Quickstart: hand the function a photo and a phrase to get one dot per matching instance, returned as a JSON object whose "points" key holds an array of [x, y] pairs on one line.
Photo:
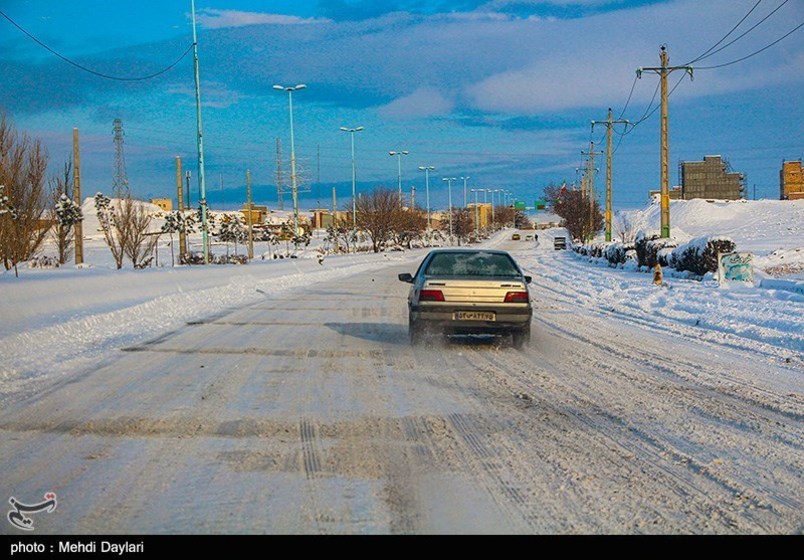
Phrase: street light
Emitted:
{"points": [[449, 181], [354, 175], [493, 219], [464, 179], [427, 169], [399, 155], [294, 186]]}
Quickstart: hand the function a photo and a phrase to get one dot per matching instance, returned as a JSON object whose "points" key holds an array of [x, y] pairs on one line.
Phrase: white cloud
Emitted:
{"points": [[424, 102], [213, 19], [213, 94]]}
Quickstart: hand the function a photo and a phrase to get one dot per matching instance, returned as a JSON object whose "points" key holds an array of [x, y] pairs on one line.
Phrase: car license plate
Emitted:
{"points": [[475, 316]]}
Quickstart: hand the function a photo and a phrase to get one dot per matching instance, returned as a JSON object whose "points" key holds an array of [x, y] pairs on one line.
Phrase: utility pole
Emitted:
{"points": [[318, 176], [78, 228], [663, 71], [188, 176], [413, 197], [609, 124], [180, 200], [200, 135], [590, 184], [250, 218], [279, 176], [590, 170]]}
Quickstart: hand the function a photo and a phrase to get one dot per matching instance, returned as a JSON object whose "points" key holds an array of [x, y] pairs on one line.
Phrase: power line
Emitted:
{"points": [[733, 29], [645, 116], [90, 70], [627, 101], [749, 30], [799, 26]]}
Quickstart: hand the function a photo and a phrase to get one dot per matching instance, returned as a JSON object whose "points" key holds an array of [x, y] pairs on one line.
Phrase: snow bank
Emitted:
{"points": [[64, 320]]}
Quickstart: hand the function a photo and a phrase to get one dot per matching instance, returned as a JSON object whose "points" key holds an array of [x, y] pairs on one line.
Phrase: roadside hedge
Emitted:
{"points": [[697, 256]]}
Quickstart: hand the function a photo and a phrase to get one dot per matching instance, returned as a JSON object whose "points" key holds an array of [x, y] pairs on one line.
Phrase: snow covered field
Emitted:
{"points": [[772, 230]]}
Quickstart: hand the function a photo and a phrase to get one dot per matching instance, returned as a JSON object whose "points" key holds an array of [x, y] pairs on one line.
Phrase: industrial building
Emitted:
{"points": [[711, 178], [791, 181]]}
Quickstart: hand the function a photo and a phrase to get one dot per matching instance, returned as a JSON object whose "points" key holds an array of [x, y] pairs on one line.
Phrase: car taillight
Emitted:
{"points": [[516, 297], [431, 295]]}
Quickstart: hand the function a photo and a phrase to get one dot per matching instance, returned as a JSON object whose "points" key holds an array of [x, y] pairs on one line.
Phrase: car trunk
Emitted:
{"points": [[473, 290]]}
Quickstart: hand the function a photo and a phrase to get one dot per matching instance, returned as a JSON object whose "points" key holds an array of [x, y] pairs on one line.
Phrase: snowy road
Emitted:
{"points": [[309, 412]]}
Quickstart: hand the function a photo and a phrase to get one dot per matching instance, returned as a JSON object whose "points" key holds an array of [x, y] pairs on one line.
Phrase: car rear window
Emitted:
{"points": [[471, 264]]}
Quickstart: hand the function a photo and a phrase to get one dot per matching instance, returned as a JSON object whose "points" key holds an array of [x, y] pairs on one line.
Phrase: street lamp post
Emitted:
{"points": [[464, 179], [493, 220], [354, 175], [294, 185], [427, 169], [399, 154], [449, 181]]}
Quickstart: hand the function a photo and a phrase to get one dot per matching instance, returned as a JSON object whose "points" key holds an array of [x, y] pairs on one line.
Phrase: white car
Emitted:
{"points": [[466, 291]]}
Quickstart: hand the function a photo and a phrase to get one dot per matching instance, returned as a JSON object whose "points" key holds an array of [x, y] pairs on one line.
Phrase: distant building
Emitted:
{"points": [[480, 212], [258, 213], [166, 204], [322, 218], [791, 181], [675, 193], [710, 178]]}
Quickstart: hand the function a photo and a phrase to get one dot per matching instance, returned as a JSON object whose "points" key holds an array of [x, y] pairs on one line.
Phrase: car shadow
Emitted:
{"points": [[477, 341], [388, 333]]}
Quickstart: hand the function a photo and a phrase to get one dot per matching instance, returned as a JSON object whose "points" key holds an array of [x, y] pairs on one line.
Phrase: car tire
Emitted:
{"points": [[521, 337], [416, 332]]}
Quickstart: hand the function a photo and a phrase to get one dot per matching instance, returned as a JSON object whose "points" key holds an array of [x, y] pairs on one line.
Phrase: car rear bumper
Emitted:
{"points": [[508, 319]]}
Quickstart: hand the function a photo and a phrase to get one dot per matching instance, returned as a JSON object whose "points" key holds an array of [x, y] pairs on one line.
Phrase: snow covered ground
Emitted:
{"points": [[57, 321], [290, 386]]}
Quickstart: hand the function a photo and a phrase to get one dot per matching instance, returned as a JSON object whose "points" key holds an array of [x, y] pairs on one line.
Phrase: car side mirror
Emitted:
{"points": [[406, 277], [528, 279]]}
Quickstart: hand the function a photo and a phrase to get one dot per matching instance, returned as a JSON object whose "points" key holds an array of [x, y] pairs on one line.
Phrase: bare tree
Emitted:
{"points": [[462, 224], [628, 224], [375, 215], [580, 215], [140, 240], [409, 225], [340, 233], [125, 223], [23, 163]]}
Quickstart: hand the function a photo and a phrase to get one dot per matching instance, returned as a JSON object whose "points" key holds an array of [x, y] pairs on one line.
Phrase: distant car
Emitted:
{"points": [[559, 243], [528, 238], [469, 291], [515, 237]]}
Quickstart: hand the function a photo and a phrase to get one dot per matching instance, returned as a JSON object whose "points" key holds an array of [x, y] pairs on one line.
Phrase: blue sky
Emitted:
{"points": [[500, 90]]}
